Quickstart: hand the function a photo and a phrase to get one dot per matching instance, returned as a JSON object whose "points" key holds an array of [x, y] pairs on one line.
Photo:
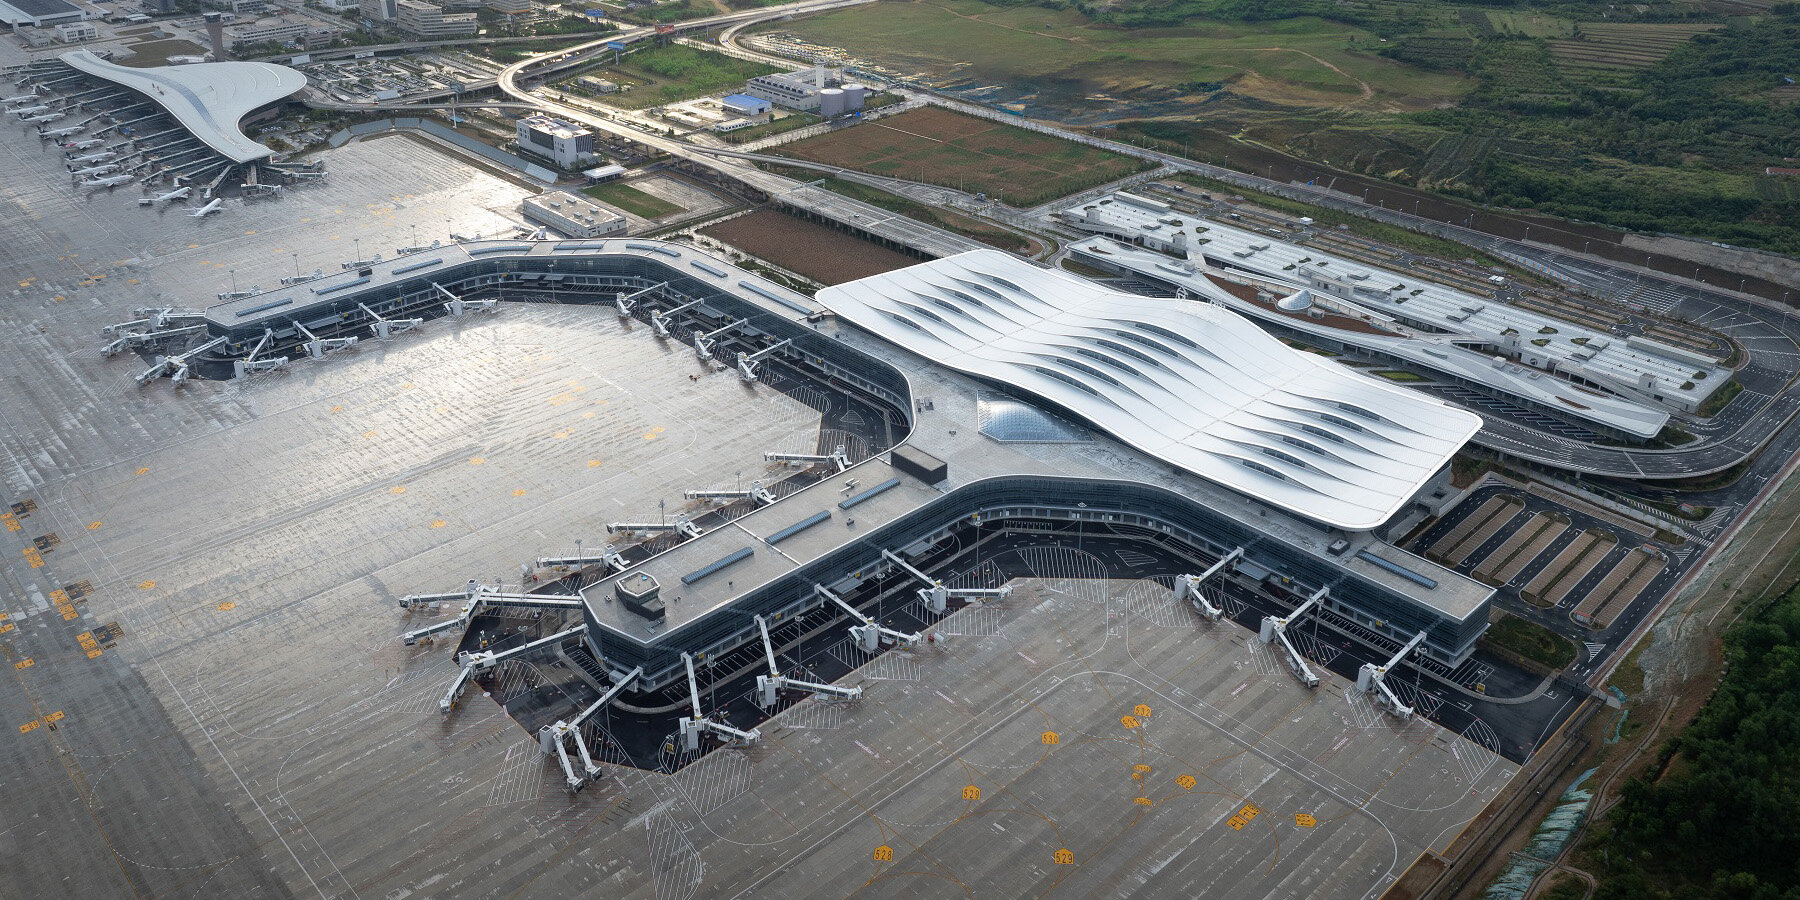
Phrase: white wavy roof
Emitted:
{"points": [[1192, 384], [208, 99]]}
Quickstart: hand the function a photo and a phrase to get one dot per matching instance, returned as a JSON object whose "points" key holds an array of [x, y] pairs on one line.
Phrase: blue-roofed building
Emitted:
{"points": [[745, 105]]}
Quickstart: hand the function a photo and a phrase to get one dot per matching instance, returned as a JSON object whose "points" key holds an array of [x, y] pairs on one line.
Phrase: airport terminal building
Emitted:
{"points": [[1208, 436]]}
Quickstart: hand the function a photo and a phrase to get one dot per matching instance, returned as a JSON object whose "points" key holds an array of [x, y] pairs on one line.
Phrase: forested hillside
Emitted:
{"points": [[1717, 819]]}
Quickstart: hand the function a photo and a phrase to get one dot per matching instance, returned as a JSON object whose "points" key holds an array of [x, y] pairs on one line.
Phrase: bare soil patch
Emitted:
{"points": [[823, 254]]}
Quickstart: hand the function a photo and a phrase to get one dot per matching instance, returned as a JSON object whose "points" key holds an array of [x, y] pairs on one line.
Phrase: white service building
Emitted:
{"points": [[573, 216], [76, 32], [564, 143]]}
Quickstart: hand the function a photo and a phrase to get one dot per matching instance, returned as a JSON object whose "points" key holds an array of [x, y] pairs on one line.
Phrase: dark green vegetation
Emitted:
{"points": [[501, 24], [1715, 819], [1565, 887], [1530, 640], [1720, 398], [1599, 126], [665, 13]]}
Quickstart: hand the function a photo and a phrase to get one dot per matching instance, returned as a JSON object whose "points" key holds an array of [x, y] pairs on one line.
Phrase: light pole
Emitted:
{"points": [[233, 280]]}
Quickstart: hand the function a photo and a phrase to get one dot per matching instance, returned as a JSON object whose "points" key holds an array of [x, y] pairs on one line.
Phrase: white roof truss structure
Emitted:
{"points": [[208, 99], [1194, 385]]}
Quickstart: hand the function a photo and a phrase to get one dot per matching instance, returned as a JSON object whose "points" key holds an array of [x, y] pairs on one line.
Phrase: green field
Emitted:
{"points": [[638, 203], [1068, 59], [659, 75], [937, 146]]}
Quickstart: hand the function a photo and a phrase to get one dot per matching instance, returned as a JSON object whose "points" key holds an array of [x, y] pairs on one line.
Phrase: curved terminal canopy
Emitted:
{"points": [[1192, 384], [208, 99]]}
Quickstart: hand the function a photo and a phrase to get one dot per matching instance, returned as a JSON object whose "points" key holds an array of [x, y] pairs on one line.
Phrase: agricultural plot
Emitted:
{"points": [[1601, 52], [936, 146], [1062, 63], [825, 255]]}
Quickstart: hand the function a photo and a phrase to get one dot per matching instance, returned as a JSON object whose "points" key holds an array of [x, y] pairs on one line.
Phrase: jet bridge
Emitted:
{"points": [[935, 594], [1372, 678], [661, 320], [697, 724], [1275, 628], [457, 306], [746, 362], [476, 598], [757, 492], [387, 328], [318, 347], [624, 302], [870, 633], [554, 737], [291, 280], [836, 457], [176, 367], [770, 686], [609, 557], [155, 326], [252, 364], [1195, 588], [476, 662], [704, 343], [682, 525]]}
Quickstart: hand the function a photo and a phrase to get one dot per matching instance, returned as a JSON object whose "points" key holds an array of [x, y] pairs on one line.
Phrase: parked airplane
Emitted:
{"points": [[102, 156], [45, 117], [19, 99], [101, 169], [61, 132], [179, 193], [84, 143], [30, 110], [110, 181], [208, 209]]}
